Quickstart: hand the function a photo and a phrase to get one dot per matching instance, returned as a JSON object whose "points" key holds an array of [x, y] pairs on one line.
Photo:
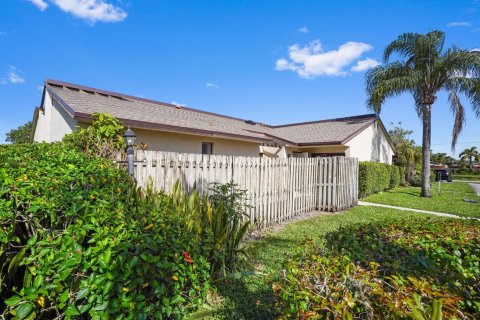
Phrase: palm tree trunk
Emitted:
{"points": [[427, 134]]}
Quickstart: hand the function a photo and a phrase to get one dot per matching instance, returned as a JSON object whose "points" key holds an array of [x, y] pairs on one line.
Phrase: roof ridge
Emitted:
{"points": [[126, 96], [369, 115]]}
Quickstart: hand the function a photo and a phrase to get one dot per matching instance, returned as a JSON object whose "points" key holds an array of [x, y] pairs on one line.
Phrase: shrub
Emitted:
{"points": [[103, 138], [220, 222], [414, 270], [375, 177], [416, 181], [78, 239]]}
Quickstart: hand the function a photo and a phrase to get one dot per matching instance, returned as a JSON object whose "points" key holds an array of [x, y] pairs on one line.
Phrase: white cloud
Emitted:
{"points": [[366, 64], [92, 10], [303, 30], [311, 60], [475, 50], [89, 10], [211, 85], [459, 24], [40, 88], [12, 77], [40, 4]]}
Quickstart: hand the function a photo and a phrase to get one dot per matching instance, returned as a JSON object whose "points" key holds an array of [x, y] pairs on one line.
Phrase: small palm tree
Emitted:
{"points": [[471, 155], [426, 68]]}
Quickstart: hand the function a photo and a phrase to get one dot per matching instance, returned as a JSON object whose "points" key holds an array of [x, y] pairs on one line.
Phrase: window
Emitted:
{"points": [[207, 148]]}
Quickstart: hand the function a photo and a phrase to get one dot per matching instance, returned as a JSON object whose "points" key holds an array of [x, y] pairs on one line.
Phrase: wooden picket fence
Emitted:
{"points": [[277, 189]]}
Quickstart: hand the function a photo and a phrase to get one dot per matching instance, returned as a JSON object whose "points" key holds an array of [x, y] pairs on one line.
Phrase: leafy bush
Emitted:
{"points": [[416, 181], [375, 177], [220, 222], [411, 270], [103, 138], [78, 239]]}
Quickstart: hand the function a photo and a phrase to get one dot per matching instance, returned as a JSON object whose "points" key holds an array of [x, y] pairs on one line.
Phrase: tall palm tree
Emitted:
{"points": [[471, 155], [424, 69]]}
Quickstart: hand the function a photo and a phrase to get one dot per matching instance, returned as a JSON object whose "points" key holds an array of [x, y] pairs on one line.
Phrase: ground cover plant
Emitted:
{"points": [[450, 200], [77, 239], [416, 269], [251, 297]]}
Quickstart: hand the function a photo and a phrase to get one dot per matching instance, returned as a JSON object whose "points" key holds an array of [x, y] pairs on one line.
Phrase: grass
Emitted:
{"points": [[472, 177], [450, 200], [251, 297]]}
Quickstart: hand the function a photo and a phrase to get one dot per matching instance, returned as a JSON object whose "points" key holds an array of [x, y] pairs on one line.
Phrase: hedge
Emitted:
{"points": [[78, 240], [375, 177]]}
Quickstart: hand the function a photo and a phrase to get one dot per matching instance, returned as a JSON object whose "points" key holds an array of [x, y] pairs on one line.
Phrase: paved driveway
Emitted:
{"points": [[476, 187]]}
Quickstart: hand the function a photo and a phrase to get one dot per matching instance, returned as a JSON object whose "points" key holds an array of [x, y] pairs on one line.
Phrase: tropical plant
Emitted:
{"points": [[470, 155], [406, 150], [22, 134], [79, 240], [220, 222], [409, 270], [103, 138], [426, 68]]}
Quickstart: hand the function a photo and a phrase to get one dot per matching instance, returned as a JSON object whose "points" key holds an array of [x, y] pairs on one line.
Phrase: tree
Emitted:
{"points": [[407, 156], [20, 135], [424, 69], [471, 155]]}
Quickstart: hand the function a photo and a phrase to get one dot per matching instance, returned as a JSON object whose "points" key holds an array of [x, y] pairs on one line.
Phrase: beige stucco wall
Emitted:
{"points": [[185, 143], [53, 122], [371, 145]]}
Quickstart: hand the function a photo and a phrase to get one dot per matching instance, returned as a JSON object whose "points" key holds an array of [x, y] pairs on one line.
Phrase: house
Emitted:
{"points": [[168, 127]]}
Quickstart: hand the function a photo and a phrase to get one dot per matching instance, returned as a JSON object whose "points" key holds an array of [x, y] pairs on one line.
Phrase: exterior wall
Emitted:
{"points": [[371, 145], [319, 149], [185, 143], [53, 122]]}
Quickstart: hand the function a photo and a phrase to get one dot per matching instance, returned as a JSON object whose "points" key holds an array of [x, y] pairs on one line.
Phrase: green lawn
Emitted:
{"points": [[473, 177], [450, 200], [251, 297]]}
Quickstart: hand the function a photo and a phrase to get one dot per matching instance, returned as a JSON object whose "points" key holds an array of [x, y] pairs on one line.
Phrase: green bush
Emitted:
{"points": [[413, 270], [416, 181], [103, 138], [78, 239], [220, 222], [375, 177]]}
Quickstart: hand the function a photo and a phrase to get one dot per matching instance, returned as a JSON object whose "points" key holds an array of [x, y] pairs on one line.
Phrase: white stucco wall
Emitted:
{"points": [[53, 122], [371, 145], [185, 143]]}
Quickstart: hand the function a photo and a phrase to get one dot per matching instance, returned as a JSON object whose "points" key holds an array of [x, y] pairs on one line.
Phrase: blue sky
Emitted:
{"points": [[270, 61]]}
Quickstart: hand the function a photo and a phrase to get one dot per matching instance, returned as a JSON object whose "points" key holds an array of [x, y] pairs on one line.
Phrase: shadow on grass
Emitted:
{"points": [[251, 297]]}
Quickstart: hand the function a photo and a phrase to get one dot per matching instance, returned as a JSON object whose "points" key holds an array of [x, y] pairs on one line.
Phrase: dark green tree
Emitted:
{"points": [[424, 68], [471, 155], [20, 135]]}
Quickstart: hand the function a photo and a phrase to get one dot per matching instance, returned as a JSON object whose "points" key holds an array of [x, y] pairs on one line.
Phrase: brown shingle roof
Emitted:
{"points": [[83, 101]]}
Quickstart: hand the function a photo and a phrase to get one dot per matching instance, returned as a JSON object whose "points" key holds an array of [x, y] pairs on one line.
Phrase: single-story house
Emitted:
{"points": [[168, 127]]}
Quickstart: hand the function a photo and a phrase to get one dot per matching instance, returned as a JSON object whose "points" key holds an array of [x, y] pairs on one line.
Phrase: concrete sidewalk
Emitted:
{"points": [[476, 187], [440, 214]]}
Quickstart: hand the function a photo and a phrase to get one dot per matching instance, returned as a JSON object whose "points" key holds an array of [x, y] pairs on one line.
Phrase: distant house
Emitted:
{"points": [[168, 127]]}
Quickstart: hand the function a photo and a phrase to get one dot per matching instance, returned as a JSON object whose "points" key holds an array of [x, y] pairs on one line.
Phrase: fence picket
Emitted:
{"points": [[277, 189]]}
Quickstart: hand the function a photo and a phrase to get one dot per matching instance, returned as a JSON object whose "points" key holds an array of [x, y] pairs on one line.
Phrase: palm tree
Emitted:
{"points": [[424, 69], [471, 155]]}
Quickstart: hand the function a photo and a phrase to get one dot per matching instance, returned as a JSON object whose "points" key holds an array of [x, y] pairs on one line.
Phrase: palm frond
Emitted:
{"points": [[388, 81], [469, 87], [403, 46], [459, 114]]}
